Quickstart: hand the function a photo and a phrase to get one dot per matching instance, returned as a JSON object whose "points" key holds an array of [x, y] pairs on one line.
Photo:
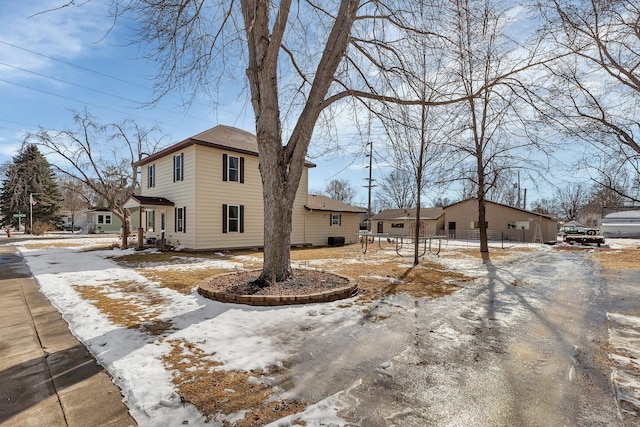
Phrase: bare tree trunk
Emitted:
{"points": [[482, 207], [281, 167], [277, 231]]}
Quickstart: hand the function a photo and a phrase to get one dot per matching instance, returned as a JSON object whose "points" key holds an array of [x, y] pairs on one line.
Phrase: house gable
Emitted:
{"points": [[216, 188]]}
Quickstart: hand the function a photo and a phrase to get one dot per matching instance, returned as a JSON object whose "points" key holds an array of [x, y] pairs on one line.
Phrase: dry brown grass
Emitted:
{"points": [[427, 280], [212, 390], [623, 259], [377, 273], [138, 309], [180, 280]]}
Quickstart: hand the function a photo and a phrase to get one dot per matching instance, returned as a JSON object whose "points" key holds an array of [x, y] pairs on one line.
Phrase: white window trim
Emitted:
{"points": [[180, 220], [236, 169], [151, 176], [236, 219]]}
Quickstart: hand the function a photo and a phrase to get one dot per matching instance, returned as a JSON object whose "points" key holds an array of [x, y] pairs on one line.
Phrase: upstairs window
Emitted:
{"points": [[232, 168], [151, 176], [178, 167]]}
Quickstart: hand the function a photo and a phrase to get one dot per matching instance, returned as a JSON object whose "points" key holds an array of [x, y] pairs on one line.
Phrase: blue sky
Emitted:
{"points": [[55, 62], [68, 59]]}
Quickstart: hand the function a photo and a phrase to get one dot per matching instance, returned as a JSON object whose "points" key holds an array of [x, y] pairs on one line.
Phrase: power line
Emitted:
{"points": [[69, 83], [70, 64], [75, 65], [90, 89], [84, 102]]}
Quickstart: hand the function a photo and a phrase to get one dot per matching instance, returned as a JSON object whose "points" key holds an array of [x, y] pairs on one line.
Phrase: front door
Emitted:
{"points": [[380, 227]]}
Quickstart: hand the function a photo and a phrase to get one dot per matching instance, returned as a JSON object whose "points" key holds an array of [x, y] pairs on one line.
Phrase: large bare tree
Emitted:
{"points": [[340, 190], [570, 200], [300, 59], [397, 189], [101, 157], [595, 96], [490, 68]]}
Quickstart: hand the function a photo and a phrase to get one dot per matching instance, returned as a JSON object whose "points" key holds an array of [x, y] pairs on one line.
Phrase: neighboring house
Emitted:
{"points": [[402, 222], [102, 220], [503, 222], [327, 219], [205, 193], [78, 218]]}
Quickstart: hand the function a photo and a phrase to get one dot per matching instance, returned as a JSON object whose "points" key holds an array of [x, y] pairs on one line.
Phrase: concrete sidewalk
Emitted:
{"points": [[47, 377]]}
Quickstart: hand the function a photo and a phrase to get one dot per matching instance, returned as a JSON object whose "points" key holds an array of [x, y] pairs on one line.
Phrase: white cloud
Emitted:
{"points": [[49, 29]]}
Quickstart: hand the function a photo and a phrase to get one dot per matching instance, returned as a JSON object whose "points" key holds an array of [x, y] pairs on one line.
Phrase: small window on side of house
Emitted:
{"points": [[178, 167], [151, 176], [181, 220]]}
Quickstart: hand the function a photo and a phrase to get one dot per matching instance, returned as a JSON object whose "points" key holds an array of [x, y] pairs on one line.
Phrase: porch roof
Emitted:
{"points": [[137, 201]]}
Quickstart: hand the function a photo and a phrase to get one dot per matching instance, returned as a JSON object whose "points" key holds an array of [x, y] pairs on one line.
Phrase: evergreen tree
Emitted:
{"points": [[29, 174]]}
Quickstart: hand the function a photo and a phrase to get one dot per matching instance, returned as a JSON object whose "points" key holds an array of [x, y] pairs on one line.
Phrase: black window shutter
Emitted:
{"points": [[175, 220], [225, 161], [174, 168], [181, 167], [184, 219], [242, 218], [224, 218], [241, 170]]}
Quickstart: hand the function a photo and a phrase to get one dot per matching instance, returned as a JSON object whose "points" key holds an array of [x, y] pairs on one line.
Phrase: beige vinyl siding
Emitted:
{"points": [[181, 193], [498, 217], [203, 192], [319, 227], [213, 193]]}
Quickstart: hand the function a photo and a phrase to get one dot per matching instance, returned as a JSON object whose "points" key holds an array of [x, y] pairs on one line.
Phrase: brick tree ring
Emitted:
{"points": [[305, 287]]}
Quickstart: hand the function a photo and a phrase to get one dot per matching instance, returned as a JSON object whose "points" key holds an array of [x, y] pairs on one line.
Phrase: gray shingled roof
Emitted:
{"points": [[221, 136]]}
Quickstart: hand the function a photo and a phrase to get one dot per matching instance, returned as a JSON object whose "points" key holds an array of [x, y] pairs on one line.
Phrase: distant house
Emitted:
{"points": [[327, 218], [503, 222], [205, 193], [402, 222], [102, 220]]}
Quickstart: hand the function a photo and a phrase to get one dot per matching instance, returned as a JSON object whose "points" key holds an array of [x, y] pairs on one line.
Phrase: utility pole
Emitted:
{"points": [[518, 201], [369, 184]]}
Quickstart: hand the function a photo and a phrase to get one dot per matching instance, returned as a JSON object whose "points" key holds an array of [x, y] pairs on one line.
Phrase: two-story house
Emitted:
{"points": [[205, 193]]}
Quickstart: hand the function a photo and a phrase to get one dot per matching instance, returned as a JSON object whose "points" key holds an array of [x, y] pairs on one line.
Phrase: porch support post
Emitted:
{"points": [[140, 231]]}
